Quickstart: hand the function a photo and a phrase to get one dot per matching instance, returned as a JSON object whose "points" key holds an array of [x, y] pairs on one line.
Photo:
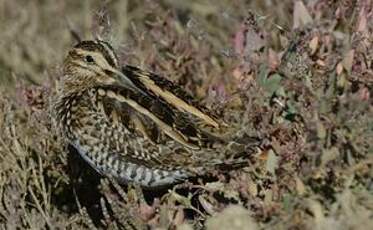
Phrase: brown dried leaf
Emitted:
{"points": [[339, 68], [252, 188], [314, 43], [364, 94], [301, 16], [348, 60], [239, 40], [272, 162], [215, 186], [179, 217], [300, 186], [234, 218], [362, 21], [329, 155], [317, 211], [320, 63], [273, 59], [209, 208], [146, 212], [184, 226]]}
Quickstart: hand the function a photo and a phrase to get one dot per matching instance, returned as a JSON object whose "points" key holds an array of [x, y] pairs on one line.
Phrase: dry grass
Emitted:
{"points": [[298, 77]]}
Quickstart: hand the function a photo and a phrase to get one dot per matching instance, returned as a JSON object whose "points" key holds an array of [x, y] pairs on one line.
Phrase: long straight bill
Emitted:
{"points": [[126, 82]]}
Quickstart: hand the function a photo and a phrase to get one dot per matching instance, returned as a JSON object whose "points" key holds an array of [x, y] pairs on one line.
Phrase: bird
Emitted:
{"points": [[136, 126]]}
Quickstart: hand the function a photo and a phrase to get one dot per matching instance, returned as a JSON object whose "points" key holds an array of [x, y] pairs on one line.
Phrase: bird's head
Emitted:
{"points": [[93, 63]]}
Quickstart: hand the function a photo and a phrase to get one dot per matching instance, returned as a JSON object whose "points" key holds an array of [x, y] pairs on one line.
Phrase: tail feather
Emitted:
{"points": [[237, 155]]}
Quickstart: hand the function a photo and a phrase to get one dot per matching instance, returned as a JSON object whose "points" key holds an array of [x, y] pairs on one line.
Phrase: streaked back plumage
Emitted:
{"points": [[134, 125]]}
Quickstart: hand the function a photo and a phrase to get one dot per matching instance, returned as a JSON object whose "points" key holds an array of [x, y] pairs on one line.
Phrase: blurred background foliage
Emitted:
{"points": [[297, 74]]}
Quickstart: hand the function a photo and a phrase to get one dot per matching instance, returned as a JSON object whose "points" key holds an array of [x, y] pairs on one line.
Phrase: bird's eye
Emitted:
{"points": [[89, 59]]}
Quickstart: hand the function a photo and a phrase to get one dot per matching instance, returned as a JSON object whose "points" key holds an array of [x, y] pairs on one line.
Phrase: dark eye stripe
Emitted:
{"points": [[100, 46]]}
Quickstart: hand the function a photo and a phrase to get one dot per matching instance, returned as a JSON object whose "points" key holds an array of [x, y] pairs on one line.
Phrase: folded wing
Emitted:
{"points": [[169, 92]]}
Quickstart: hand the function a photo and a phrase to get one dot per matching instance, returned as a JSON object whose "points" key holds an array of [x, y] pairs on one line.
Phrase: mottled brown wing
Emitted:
{"points": [[157, 117], [168, 92], [105, 142]]}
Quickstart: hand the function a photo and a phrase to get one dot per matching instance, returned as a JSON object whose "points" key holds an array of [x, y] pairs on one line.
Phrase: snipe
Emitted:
{"points": [[134, 125]]}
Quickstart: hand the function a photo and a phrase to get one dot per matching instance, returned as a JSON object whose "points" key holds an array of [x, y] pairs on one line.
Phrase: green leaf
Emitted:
{"points": [[272, 83], [263, 73]]}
